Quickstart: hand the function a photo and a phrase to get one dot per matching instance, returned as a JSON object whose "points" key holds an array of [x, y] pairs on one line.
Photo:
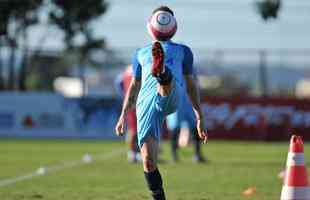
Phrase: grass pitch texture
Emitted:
{"points": [[232, 168]]}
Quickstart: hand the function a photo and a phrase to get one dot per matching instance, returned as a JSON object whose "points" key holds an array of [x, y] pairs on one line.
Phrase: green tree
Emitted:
{"points": [[15, 17], [2, 87], [75, 18], [268, 8]]}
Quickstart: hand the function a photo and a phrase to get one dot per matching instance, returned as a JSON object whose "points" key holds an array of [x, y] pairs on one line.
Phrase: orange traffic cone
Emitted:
{"points": [[296, 186], [249, 192]]}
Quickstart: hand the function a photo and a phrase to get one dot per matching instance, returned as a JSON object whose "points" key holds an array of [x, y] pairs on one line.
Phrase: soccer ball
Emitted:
{"points": [[162, 25]]}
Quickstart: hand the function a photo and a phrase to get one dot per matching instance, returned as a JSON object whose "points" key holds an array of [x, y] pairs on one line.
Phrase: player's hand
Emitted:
{"points": [[119, 128], [202, 131]]}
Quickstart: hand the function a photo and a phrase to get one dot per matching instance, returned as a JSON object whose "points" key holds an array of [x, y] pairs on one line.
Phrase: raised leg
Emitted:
{"points": [[159, 71]]}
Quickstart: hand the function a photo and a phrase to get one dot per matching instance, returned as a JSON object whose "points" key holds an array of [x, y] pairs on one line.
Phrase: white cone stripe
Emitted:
{"points": [[295, 159], [295, 193]]}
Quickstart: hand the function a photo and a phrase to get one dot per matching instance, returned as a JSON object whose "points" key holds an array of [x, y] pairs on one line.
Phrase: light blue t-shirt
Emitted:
{"points": [[178, 58]]}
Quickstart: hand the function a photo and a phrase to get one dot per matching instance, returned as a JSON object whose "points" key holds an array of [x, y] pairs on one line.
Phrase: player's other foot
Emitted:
{"points": [[131, 157], [199, 159], [158, 59], [134, 157], [138, 157]]}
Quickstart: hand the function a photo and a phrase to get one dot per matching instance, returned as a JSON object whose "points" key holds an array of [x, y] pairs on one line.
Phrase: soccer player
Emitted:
{"points": [[122, 84], [160, 70]]}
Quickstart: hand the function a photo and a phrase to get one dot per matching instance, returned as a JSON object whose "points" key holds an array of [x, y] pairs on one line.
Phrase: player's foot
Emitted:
{"points": [[131, 157], [138, 157], [158, 59], [199, 159], [134, 157]]}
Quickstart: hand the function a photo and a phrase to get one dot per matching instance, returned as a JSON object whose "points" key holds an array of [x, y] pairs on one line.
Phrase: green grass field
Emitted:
{"points": [[233, 167]]}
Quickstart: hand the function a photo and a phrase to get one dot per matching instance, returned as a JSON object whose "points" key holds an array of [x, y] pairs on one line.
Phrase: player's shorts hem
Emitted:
{"points": [[142, 140]]}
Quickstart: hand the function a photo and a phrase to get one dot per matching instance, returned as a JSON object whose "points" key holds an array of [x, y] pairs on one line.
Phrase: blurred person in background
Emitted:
{"points": [[175, 123], [122, 83]]}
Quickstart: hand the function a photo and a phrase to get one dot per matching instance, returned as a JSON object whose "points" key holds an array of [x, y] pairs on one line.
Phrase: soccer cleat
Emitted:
{"points": [[199, 159], [158, 66]]}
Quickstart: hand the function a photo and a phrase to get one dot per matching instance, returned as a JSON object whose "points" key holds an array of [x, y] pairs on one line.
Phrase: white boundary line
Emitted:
{"points": [[11, 181], [59, 167]]}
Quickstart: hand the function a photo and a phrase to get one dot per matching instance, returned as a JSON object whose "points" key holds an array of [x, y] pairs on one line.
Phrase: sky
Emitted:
{"points": [[203, 24]]}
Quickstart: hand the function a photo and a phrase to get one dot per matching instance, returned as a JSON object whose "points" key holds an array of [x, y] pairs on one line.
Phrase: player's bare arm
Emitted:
{"points": [[129, 102], [193, 93]]}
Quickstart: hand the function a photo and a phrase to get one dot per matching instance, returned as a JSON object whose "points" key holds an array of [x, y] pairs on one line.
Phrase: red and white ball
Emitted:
{"points": [[162, 25]]}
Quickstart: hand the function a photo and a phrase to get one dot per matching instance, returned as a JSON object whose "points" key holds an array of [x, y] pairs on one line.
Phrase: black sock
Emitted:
{"points": [[196, 141], [174, 143], [155, 184], [165, 78]]}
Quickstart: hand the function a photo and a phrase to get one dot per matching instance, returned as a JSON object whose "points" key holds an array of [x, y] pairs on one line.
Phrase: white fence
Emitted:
{"points": [[53, 116]]}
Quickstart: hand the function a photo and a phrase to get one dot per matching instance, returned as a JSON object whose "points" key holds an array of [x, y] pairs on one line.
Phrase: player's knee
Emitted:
{"points": [[149, 164]]}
